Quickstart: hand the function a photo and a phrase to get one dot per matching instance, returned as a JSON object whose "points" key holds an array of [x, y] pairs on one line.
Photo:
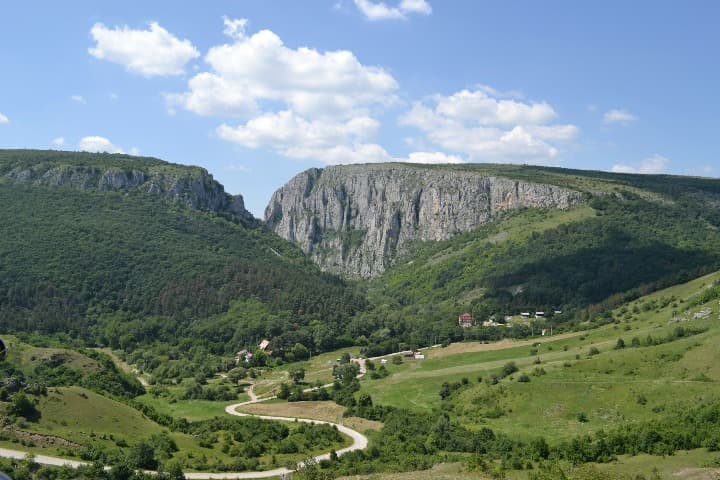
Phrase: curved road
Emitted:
{"points": [[360, 442]]}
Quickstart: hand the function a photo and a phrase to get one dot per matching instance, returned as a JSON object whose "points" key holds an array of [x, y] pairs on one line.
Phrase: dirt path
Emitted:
{"points": [[359, 441]]}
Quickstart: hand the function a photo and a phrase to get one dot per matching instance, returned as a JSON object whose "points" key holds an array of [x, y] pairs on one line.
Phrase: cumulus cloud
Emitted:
{"points": [[433, 157], [152, 52], [4, 119], [479, 106], [299, 102], [235, 28], [380, 11], [296, 137], [618, 116], [59, 141], [78, 99], [484, 127], [655, 164], [261, 68], [98, 144], [331, 142]]}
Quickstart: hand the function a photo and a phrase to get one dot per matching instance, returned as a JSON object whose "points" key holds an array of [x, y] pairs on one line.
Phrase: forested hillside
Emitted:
{"points": [[633, 235], [132, 252], [125, 266]]}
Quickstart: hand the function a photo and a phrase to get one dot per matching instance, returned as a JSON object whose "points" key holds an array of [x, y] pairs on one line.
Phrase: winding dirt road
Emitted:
{"points": [[360, 442]]}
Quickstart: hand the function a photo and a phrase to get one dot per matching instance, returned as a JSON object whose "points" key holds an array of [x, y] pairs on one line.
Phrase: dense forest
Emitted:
{"points": [[125, 268], [166, 279]]}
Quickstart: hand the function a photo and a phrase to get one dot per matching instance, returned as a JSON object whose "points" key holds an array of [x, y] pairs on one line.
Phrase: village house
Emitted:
{"points": [[264, 344], [243, 356], [465, 320]]}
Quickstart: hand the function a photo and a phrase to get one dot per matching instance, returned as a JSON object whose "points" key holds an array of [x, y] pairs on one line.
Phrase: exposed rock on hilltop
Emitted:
{"points": [[357, 219], [192, 187]]}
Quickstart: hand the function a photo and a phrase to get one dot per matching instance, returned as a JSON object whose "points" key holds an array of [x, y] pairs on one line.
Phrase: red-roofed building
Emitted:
{"points": [[465, 320]]}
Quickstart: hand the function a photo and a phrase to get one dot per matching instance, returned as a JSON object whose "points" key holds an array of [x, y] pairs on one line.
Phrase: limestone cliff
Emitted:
{"points": [[191, 187], [357, 219]]}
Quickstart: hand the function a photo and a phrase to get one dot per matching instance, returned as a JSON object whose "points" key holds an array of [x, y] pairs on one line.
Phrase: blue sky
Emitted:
{"points": [[257, 91]]}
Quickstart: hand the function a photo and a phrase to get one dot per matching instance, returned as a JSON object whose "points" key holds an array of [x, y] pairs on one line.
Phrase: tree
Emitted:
{"points": [[508, 369], [174, 471], [142, 455], [365, 400], [445, 390], [22, 405], [300, 352], [284, 392], [297, 374], [619, 344]]}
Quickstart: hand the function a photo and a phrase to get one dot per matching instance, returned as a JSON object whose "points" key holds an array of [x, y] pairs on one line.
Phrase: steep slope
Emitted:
{"points": [[188, 186], [123, 250], [497, 240], [357, 220]]}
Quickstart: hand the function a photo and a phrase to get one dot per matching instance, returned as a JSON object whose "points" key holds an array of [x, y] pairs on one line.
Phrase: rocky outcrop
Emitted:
{"points": [[357, 219], [191, 187]]}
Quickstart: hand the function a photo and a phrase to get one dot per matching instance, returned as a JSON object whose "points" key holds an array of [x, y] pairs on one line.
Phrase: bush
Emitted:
{"points": [[593, 351], [523, 378], [22, 405], [508, 369]]}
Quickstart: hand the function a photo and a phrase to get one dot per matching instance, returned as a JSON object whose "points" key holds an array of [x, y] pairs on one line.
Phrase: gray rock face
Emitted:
{"points": [[192, 187], [356, 220]]}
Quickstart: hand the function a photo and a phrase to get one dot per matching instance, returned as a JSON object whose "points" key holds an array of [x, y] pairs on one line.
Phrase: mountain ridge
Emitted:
{"points": [[189, 186], [356, 220]]}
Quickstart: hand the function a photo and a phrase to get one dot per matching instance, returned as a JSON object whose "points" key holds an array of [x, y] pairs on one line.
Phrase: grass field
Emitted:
{"points": [[327, 411], [318, 369], [668, 467], [614, 386]]}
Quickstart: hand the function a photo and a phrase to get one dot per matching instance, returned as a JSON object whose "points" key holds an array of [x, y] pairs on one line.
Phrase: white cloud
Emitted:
{"points": [[433, 157], [153, 52], [622, 117], [622, 168], [331, 142], [114, 96], [480, 107], [260, 68], [655, 164], [651, 165], [380, 11], [296, 137], [235, 28], [484, 127], [4, 119], [98, 144], [59, 141], [78, 99]]}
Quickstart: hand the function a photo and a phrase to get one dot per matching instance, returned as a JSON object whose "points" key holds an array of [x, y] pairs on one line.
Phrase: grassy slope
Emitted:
{"points": [[605, 387], [84, 417], [652, 232]]}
